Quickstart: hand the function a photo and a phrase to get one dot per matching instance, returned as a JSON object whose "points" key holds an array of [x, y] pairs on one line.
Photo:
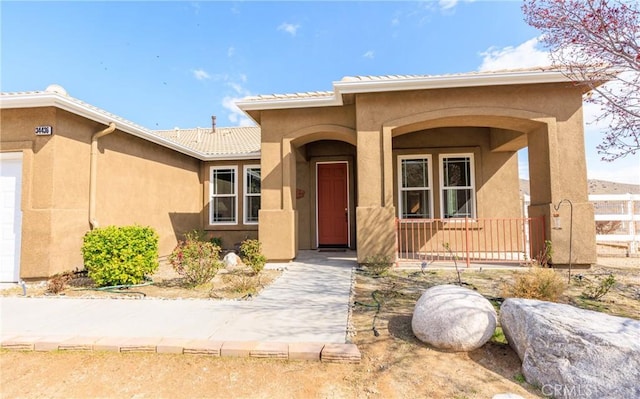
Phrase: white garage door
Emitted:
{"points": [[10, 215]]}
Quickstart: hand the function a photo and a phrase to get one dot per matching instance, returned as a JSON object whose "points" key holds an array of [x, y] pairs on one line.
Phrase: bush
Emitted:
{"points": [[545, 256], [597, 291], [251, 255], [538, 283], [58, 282], [195, 260], [120, 255], [378, 265], [242, 282]]}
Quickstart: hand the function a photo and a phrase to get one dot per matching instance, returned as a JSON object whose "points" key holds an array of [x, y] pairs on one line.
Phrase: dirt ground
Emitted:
{"points": [[394, 364], [229, 283]]}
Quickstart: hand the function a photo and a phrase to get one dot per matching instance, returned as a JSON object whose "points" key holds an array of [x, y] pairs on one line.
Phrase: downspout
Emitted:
{"points": [[94, 171]]}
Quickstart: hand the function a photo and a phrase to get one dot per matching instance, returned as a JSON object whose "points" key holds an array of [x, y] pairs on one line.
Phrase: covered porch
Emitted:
{"points": [[373, 129]]}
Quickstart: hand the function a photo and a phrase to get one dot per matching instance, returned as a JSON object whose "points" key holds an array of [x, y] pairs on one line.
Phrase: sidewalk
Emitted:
{"points": [[309, 303]]}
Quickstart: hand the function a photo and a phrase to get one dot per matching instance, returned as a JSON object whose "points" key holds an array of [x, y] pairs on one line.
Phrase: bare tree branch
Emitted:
{"points": [[588, 39]]}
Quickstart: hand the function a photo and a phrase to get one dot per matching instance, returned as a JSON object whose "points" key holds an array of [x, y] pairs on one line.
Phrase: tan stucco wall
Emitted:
{"points": [[546, 117], [138, 182], [231, 235]]}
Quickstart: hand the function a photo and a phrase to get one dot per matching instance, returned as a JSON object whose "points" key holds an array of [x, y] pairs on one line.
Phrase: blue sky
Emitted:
{"points": [[174, 64]]}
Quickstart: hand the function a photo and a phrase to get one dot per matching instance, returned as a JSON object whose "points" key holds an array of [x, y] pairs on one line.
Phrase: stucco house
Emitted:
{"points": [[342, 168]]}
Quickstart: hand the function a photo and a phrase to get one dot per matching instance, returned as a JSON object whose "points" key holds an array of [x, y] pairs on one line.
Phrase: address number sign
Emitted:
{"points": [[44, 130]]}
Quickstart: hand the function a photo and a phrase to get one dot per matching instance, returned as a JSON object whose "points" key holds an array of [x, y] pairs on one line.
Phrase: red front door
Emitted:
{"points": [[333, 215]]}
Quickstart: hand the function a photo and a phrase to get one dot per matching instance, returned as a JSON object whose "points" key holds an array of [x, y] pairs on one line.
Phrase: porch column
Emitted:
{"points": [[557, 170], [374, 211], [277, 216]]}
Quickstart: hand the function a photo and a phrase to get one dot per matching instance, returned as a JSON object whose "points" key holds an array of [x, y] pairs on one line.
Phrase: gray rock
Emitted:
{"points": [[574, 353], [230, 260], [507, 396], [453, 318]]}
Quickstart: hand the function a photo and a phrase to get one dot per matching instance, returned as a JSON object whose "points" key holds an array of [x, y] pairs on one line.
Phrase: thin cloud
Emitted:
{"points": [[289, 28], [447, 4], [231, 51], [369, 54], [201, 74], [525, 55], [235, 115]]}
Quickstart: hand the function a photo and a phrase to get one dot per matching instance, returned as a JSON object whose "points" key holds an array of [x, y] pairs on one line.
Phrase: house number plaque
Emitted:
{"points": [[44, 130]]}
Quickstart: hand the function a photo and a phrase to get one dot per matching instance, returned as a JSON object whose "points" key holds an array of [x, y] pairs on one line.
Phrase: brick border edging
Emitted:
{"points": [[310, 351]]}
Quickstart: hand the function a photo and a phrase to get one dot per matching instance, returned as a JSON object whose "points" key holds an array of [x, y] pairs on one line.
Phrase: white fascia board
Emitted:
{"points": [[53, 100], [285, 103], [445, 82], [231, 157], [404, 84]]}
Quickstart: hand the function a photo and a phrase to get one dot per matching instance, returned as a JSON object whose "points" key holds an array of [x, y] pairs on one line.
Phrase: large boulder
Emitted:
{"points": [[453, 318], [574, 353]]}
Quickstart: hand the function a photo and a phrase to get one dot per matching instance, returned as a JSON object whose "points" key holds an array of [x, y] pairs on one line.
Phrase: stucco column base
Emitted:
{"points": [[583, 243], [277, 233], [375, 232]]}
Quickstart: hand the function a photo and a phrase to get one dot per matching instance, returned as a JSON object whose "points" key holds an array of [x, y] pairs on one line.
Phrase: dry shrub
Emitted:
{"points": [[58, 282], [537, 283], [242, 281]]}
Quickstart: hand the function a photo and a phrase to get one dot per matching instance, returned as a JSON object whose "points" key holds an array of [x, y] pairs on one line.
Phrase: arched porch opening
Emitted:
{"points": [[456, 186]]}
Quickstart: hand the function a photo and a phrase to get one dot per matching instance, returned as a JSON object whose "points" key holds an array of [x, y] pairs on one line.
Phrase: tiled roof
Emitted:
{"points": [[79, 103], [225, 143], [378, 78], [309, 94], [231, 141], [405, 80]]}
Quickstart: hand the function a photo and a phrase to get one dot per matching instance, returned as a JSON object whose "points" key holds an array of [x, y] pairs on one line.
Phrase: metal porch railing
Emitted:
{"points": [[512, 240]]}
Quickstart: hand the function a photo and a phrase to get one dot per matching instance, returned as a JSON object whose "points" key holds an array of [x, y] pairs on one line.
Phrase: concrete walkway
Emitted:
{"points": [[308, 303]]}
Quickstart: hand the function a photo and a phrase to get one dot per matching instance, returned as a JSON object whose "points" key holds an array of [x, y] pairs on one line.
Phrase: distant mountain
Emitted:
{"points": [[596, 187]]}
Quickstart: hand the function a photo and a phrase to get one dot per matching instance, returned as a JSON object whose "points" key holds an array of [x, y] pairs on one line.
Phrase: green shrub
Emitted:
{"points": [[544, 257], [251, 255], [120, 255], [217, 241], [195, 260], [378, 265], [597, 291], [538, 283]]}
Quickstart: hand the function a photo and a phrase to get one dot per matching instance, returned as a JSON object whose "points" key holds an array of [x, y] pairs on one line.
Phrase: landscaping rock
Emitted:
{"points": [[507, 396], [453, 318], [574, 353], [230, 260]]}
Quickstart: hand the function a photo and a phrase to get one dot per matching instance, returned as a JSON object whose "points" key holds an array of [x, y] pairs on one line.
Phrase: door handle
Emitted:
{"points": [[346, 215]]}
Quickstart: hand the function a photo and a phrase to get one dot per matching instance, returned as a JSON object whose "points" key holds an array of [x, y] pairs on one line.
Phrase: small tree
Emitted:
{"points": [[595, 41]]}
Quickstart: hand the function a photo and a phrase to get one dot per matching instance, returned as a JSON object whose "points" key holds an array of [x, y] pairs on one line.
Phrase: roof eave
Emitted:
{"points": [[231, 157], [356, 86], [445, 82], [284, 103], [54, 100]]}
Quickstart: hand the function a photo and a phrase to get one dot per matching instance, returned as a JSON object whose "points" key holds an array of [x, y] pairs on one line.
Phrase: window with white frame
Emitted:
{"points": [[251, 193], [223, 208], [457, 186], [414, 187]]}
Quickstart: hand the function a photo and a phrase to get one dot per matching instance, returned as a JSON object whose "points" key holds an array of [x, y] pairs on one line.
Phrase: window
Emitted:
{"points": [[251, 193], [224, 199], [415, 196], [457, 186]]}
